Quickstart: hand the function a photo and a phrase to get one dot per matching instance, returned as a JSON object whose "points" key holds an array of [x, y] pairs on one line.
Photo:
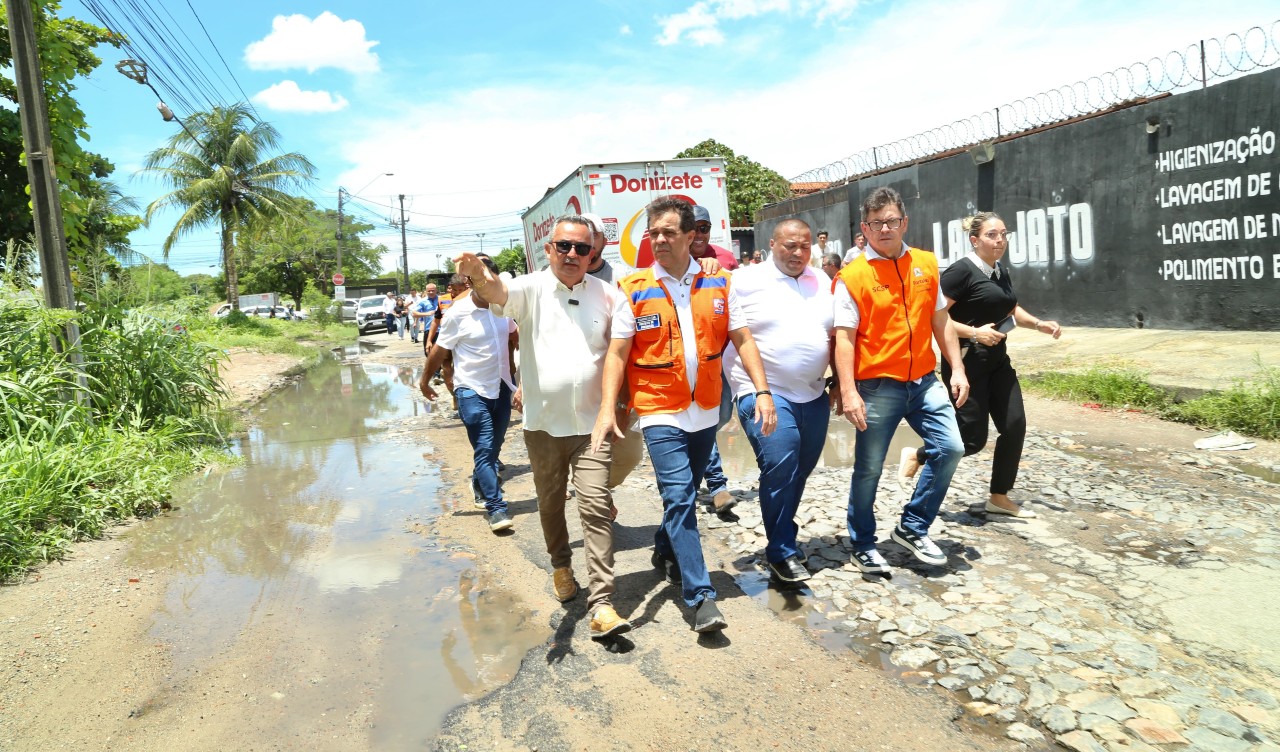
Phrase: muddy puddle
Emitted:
{"points": [[299, 581]]}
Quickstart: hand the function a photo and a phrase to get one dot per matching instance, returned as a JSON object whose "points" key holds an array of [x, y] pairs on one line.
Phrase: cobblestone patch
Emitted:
{"points": [[1137, 611]]}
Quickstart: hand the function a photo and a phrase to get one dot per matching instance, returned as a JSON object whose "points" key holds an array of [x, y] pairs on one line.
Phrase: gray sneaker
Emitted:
{"points": [[920, 546], [499, 520]]}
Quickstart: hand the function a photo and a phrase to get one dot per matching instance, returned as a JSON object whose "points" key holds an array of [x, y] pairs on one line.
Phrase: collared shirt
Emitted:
{"points": [[791, 321], [564, 338], [695, 417], [388, 305], [983, 266], [478, 340], [846, 312], [427, 305]]}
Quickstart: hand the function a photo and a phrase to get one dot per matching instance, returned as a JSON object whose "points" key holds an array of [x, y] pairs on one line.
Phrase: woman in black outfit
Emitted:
{"points": [[982, 305]]}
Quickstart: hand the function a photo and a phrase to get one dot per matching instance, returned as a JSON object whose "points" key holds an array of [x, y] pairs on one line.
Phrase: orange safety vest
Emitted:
{"points": [[895, 300], [656, 373]]}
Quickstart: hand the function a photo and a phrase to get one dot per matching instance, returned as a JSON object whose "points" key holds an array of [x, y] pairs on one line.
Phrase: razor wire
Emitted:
{"points": [[1198, 64]]}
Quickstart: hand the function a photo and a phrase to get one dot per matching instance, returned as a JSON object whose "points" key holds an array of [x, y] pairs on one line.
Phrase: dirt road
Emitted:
{"points": [[82, 664]]}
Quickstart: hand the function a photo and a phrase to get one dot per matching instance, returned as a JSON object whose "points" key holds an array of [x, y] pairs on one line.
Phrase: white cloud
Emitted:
{"points": [[323, 42], [701, 22], [697, 23], [286, 96], [625, 30]]}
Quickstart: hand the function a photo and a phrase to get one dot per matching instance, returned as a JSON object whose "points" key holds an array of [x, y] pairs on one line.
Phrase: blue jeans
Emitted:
{"points": [[486, 421], [678, 461], [715, 477], [786, 457], [929, 412], [390, 320]]}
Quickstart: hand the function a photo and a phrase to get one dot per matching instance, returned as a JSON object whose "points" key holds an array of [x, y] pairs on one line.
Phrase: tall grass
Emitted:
{"points": [[80, 448], [1251, 408]]}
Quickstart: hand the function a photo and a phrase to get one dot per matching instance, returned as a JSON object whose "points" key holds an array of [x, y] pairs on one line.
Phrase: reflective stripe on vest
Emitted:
{"points": [[656, 375], [896, 300]]}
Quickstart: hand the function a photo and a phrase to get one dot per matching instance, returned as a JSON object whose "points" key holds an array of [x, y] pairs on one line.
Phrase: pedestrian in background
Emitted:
{"points": [[481, 344], [983, 310]]}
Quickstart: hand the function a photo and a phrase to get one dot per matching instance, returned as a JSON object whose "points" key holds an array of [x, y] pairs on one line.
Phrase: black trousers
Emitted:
{"points": [[996, 395]]}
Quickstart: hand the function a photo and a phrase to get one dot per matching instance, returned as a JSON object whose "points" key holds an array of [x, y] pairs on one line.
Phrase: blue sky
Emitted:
{"points": [[477, 108]]}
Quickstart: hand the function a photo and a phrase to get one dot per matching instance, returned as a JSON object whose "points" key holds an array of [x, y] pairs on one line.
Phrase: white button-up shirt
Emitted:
{"points": [[564, 335], [478, 340], [695, 417], [791, 321]]}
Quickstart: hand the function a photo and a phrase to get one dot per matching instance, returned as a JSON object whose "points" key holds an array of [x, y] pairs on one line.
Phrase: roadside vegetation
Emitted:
{"points": [[78, 454], [1251, 408]]}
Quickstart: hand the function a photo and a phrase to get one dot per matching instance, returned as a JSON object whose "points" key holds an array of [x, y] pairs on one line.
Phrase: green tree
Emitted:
{"points": [[222, 173], [287, 256], [751, 185], [92, 216], [512, 260]]}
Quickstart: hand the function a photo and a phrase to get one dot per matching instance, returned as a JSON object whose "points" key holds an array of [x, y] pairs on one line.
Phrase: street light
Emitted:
{"points": [[481, 236], [376, 178]]}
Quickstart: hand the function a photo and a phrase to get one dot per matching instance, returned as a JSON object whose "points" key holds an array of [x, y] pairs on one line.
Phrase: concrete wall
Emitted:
{"points": [[1146, 216]]}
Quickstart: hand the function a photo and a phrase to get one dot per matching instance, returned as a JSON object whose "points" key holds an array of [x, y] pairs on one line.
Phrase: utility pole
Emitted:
{"points": [[404, 244], [341, 190], [46, 209], [481, 236]]}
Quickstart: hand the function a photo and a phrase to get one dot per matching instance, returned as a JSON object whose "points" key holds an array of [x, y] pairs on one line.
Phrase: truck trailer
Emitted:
{"points": [[618, 193]]}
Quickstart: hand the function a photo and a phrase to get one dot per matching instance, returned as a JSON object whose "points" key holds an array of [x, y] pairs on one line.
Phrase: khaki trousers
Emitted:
{"points": [[552, 459]]}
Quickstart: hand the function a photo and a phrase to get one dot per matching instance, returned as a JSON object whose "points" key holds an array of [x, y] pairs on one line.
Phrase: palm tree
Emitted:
{"points": [[220, 172]]}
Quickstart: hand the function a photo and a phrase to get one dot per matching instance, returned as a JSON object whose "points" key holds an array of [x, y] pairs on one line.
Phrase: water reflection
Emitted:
{"points": [[308, 533], [740, 461]]}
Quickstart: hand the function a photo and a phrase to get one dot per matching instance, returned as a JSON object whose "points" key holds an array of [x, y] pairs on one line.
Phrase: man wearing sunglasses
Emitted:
{"points": [[888, 301], [669, 329], [564, 317]]}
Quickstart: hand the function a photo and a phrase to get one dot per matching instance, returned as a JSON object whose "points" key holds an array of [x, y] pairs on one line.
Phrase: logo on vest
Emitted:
{"points": [[717, 306], [916, 270], [652, 321]]}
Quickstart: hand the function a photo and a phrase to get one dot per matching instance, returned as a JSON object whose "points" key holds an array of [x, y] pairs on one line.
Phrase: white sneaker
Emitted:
{"points": [[920, 546], [870, 562]]}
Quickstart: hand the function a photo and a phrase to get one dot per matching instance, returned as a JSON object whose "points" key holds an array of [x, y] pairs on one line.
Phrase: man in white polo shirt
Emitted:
{"points": [[482, 383], [564, 316], [787, 305]]}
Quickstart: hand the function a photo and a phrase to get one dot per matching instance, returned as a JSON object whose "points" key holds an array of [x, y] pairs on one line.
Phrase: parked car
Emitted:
{"points": [[369, 316], [263, 311], [349, 306]]}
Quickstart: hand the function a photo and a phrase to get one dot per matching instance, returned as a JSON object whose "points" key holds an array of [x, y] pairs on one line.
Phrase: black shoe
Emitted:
{"points": [[499, 520], [789, 570], [669, 568], [708, 618]]}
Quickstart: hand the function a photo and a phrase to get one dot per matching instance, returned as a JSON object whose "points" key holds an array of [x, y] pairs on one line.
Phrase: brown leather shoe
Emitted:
{"points": [[607, 623], [722, 502], [566, 587]]}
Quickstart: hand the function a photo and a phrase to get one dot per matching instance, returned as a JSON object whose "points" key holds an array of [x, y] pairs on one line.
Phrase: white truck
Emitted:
{"points": [[618, 193]]}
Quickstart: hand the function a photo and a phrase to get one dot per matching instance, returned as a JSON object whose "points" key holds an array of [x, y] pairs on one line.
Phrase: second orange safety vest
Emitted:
{"points": [[656, 374], [896, 300]]}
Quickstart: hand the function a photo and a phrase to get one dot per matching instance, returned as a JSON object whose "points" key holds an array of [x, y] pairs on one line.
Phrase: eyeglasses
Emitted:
{"points": [[564, 246], [996, 235], [703, 227], [879, 224]]}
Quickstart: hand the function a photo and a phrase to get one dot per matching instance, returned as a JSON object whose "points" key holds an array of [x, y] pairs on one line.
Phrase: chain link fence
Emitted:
{"points": [[1197, 64]]}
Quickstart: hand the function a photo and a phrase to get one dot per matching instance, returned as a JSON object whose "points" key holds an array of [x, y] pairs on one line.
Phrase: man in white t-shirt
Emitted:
{"points": [[787, 305], [564, 318], [481, 343], [669, 329]]}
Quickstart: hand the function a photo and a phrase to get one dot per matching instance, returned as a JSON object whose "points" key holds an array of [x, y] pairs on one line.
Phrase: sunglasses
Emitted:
{"points": [[564, 246]]}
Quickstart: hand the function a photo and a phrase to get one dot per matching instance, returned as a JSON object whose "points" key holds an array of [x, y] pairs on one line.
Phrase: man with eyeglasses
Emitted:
{"points": [[564, 318], [887, 301], [669, 330]]}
